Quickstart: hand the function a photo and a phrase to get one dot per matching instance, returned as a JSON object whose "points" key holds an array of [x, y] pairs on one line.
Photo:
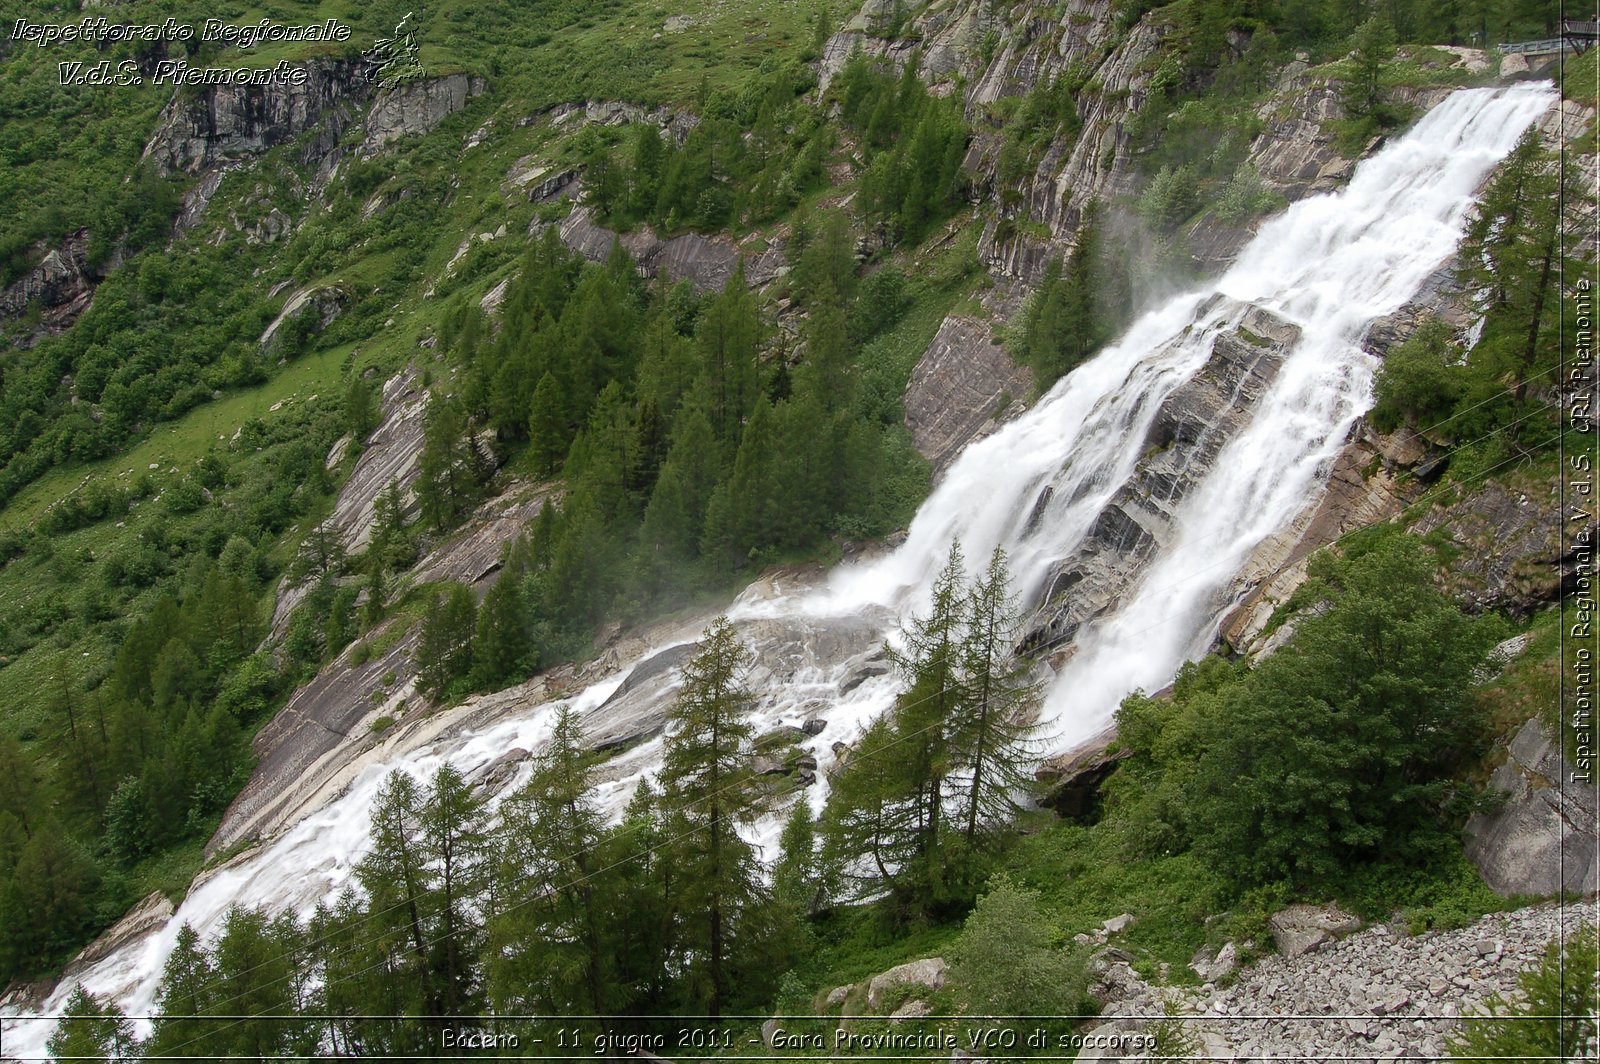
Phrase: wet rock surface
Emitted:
{"points": [[1188, 433]]}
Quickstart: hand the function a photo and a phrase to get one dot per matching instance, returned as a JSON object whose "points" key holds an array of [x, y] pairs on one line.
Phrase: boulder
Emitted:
{"points": [[1117, 924], [814, 726], [768, 1029], [1119, 982], [1543, 840], [783, 735], [766, 766], [911, 1010], [836, 997], [1213, 968], [928, 972], [500, 771], [1299, 929]]}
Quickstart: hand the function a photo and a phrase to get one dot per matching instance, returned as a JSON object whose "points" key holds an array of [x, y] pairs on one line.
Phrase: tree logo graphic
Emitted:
{"points": [[393, 60]]}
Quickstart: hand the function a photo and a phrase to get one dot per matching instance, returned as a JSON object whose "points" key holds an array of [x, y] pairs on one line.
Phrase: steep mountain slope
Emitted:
{"points": [[352, 234]]}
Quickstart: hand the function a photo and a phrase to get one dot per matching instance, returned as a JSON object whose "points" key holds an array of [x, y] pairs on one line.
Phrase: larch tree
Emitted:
{"points": [[707, 779], [547, 946], [89, 1030], [993, 722]]}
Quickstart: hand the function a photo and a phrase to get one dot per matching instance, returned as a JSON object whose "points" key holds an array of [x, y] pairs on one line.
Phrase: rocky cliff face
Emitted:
{"points": [[704, 261], [416, 107], [60, 286], [1545, 839], [225, 124], [994, 52], [963, 386], [1188, 433]]}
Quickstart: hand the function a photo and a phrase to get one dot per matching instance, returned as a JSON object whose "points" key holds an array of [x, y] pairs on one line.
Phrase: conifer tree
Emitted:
{"points": [[706, 773], [870, 829], [799, 880], [91, 1031], [640, 905], [455, 846], [912, 804], [366, 993], [927, 714], [452, 471], [188, 988], [996, 753], [728, 337], [444, 646], [261, 987], [1363, 96], [1515, 257], [548, 949], [503, 652]]}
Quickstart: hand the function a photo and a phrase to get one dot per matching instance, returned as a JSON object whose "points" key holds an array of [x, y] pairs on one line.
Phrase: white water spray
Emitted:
{"points": [[1330, 265]]}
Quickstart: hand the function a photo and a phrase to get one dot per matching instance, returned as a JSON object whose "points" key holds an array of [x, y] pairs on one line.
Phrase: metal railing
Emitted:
{"points": [[1574, 33], [1551, 44]]}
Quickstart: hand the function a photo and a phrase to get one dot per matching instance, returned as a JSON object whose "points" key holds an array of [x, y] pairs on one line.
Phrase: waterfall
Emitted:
{"points": [[1328, 266]]}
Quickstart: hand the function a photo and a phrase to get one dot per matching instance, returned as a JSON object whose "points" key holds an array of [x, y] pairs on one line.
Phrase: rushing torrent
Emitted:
{"points": [[1329, 265]]}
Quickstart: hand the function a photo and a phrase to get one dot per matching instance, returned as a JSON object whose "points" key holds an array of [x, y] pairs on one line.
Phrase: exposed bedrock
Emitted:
{"points": [[61, 285], [704, 261], [962, 387], [390, 455], [1543, 840], [224, 123], [1191, 428]]}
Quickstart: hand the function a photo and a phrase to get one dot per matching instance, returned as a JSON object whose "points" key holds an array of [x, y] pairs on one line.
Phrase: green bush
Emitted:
{"points": [[1420, 381], [1005, 963]]}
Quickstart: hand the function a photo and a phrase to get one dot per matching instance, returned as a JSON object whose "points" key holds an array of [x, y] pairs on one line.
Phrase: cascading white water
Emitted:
{"points": [[1330, 265]]}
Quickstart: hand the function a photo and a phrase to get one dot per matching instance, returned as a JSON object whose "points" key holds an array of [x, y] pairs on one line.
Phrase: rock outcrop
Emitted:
{"points": [[704, 261], [61, 285], [1365, 486], [325, 301], [222, 124], [569, 116], [416, 107], [391, 455], [1074, 776], [1512, 540], [1545, 839], [964, 385], [1189, 431]]}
